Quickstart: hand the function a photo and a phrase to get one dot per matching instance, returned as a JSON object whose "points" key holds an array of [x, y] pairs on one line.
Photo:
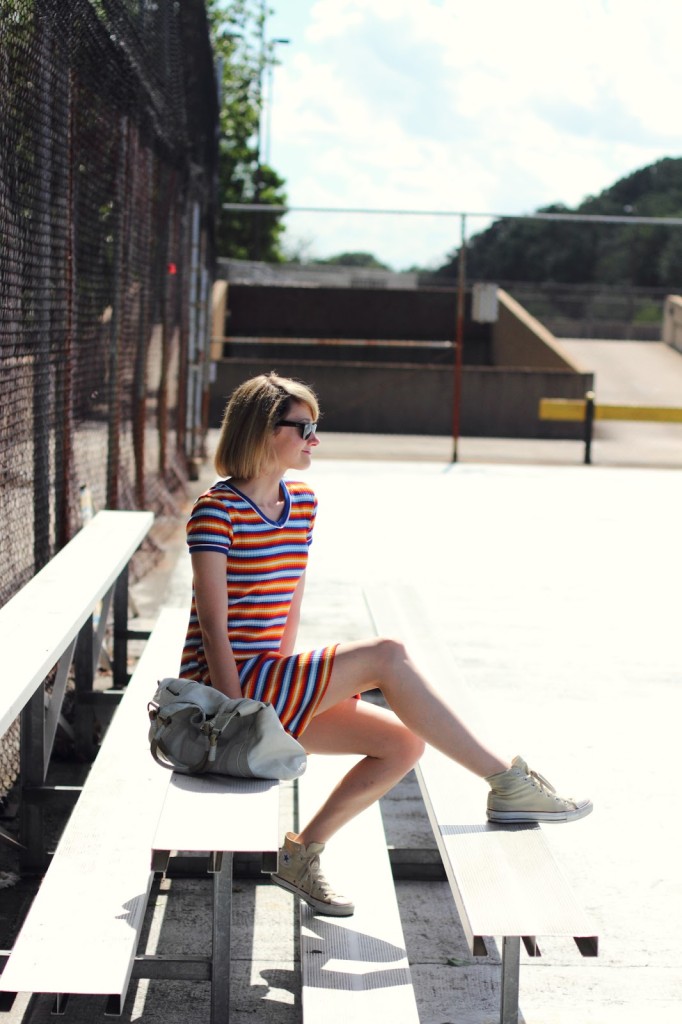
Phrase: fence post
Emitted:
{"points": [[119, 280], [43, 396], [459, 340], [589, 421]]}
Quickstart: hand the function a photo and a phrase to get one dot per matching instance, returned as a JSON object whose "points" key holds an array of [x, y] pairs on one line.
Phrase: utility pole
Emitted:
{"points": [[459, 337], [258, 183]]}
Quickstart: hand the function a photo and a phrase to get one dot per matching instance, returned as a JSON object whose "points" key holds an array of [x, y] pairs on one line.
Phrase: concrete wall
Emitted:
{"points": [[425, 314], [313, 275], [508, 366], [671, 332], [402, 399], [519, 340], [218, 317]]}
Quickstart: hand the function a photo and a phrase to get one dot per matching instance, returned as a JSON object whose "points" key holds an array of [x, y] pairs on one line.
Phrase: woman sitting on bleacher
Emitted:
{"points": [[249, 536]]}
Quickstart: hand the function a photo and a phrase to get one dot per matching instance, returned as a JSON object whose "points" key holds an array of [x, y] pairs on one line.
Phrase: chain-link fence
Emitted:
{"points": [[108, 148], [594, 311]]}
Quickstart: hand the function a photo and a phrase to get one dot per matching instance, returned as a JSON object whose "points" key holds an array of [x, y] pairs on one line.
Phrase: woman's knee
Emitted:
{"points": [[411, 748], [387, 737], [397, 743], [390, 654]]}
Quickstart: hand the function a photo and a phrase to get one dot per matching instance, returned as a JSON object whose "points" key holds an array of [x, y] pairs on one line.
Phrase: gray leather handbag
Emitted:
{"points": [[196, 729]]}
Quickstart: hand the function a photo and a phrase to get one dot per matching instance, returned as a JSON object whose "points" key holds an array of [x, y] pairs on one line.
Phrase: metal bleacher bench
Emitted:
{"points": [[353, 968], [82, 931], [504, 879], [58, 621]]}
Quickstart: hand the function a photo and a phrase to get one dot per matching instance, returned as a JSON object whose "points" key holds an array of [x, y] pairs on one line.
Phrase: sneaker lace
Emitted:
{"points": [[541, 783], [315, 882]]}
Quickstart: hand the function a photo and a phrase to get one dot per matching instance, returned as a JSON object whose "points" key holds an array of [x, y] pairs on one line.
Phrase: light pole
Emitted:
{"points": [[265, 66], [459, 338], [268, 105]]}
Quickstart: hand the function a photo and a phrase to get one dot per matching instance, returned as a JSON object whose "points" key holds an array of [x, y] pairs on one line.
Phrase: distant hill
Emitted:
{"points": [[604, 254]]}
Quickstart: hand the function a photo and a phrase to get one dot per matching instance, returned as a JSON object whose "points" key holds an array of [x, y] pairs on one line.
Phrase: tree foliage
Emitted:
{"points": [[598, 253], [243, 56], [354, 259]]}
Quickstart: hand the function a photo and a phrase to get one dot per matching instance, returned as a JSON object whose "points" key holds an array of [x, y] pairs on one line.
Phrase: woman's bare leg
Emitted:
{"points": [[392, 742], [358, 727], [385, 664]]}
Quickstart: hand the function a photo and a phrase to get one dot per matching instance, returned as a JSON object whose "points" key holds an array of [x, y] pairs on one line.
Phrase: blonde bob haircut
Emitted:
{"points": [[251, 417]]}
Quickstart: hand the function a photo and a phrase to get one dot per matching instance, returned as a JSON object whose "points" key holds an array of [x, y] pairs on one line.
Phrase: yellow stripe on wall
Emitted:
{"points": [[655, 413], [573, 410], [562, 409]]}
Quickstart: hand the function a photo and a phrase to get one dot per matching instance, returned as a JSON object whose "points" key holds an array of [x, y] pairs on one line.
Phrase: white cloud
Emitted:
{"points": [[491, 105]]}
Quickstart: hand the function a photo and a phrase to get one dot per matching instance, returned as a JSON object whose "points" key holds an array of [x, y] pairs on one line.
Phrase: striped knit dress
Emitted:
{"points": [[264, 562]]}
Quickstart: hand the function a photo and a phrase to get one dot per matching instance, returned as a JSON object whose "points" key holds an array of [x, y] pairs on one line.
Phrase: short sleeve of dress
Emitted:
{"points": [[209, 527]]}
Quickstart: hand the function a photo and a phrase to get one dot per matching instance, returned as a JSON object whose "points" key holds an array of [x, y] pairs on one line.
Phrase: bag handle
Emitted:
{"points": [[161, 757], [212, 731]]}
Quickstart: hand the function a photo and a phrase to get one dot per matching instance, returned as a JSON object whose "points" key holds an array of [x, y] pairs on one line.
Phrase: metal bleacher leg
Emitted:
{"points": [[121, 674], [509, 1005], [33, 769], [221, 868]]}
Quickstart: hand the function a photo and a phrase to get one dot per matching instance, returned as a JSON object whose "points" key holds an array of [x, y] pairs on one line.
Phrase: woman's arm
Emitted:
{"points": [[210, 591], [288, 643]]}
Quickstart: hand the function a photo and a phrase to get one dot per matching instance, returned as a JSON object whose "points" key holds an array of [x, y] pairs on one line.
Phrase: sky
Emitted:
{"points": [[477, 106]]}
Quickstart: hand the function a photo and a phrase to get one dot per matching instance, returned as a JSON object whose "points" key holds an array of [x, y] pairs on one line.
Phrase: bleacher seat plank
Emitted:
{"points": [[42, 619], [354, 968], [81, 933], [504, 878], [214, 813], [219, 816]]}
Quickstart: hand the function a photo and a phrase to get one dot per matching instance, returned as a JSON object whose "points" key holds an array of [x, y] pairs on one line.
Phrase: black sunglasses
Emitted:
{"points": [[306, 429]]}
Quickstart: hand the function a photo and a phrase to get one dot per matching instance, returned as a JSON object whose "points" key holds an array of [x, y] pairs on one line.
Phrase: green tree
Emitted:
{"points": [[572, 253], [354, 259], [243, 55]]}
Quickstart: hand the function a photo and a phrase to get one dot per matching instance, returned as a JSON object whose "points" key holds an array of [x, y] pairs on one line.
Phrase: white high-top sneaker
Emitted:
{"points": [[520, 794], [299, 872]]}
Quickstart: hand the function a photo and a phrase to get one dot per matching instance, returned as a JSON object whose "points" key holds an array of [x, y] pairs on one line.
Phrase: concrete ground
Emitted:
{"points": [[556, 587]]}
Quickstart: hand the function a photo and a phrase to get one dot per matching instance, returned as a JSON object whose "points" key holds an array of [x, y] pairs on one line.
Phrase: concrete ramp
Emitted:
{"points": [[647, 372]]}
